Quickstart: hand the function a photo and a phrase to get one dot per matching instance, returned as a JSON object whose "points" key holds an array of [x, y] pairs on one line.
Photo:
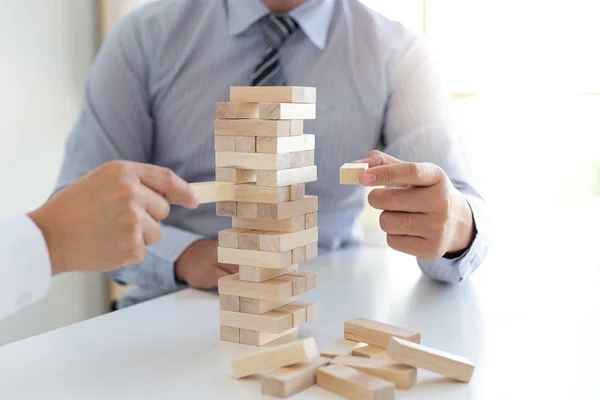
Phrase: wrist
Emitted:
{"points": [[43, 221]]}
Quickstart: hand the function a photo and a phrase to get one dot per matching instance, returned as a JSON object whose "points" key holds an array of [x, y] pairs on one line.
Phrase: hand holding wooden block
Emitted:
{"points": [[350, 172], [211, 192]]}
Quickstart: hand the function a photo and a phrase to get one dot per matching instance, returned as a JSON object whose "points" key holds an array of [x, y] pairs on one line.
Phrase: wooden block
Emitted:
{"points": [[311, 220], [402, 376], [300, 159], [224, 143], [254, 258], [245, 144], [298, 283], [258, 274], [312, 310], [229, 303], [284, 144], [298, 312], [256, 127], [293, 224], [230, 334], [311, 278], [229, 238], [210, 192], [296, 127], [373, 352], [277, 241], [296, 191], [353, 384], [376, 333], [288, 209], [261, 306], [312, 250], [250, 192], [286, 177], [299, 255], [272, 321], [247, 209], [226, 208], [350, 172], [252, 160], [290, 380], [419, 356], [236, 110], [248, 240], [257, 338], [287, 111], [235, 175], [274, 94], [269, 290], [275, 357], [225, 175], [341, 347]]}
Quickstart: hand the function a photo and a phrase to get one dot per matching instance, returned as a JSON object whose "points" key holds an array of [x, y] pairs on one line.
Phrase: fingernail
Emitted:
{"points": [[369, 178]]}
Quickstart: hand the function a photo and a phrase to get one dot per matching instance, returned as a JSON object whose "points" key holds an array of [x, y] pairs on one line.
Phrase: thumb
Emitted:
{"points": [[403, 174], [377, 158]]}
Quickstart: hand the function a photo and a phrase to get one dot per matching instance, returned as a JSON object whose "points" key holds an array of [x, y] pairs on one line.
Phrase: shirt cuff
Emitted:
{"points": [[456, 269], [25, 268]]}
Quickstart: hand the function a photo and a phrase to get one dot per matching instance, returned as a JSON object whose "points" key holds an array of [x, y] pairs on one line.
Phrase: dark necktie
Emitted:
{"points": [[276, 29]]}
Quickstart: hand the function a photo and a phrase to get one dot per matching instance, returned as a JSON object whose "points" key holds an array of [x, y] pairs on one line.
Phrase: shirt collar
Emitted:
{"points": [[313, 16]]}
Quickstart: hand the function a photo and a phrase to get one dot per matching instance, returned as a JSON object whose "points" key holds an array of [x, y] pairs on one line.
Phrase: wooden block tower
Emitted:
{"points": [[263, 159]]}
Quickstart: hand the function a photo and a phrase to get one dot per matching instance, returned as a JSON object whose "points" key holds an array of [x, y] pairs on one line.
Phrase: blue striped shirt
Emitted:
{"points": [[151, 94]]}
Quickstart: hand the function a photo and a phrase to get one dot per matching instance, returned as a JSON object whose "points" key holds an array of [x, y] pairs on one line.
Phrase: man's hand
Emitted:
{"points": [[105, 220], [424, 214], [198, 265]]}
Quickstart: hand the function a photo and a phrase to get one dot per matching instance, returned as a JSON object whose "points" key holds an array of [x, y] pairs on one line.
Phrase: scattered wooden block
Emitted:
{"points": [[353, 384], [257, 338], [252, 160], [287, 111], [311, 220], [248, 240], [226, 208], [258, 127], [245, 144], [258, 274], [235, 175], [261, 306], [275, 357], [296, 191], [300, 159], [441, 362], [269, 290], [290, 380], [299, 255], [403, 376], [286, 177], [376, 333], [247, 209], [230, 334], [293, 224], [373, 352], [250, 192], [284, 144], [312, 251], [272, 321], [254, 258], [224, 143], [298, 312], [229, 303], [210, 192], [277, 241], [288, 209], [275, 94], [350, 172], [229, 238], [341, 347], [236, 110], [311, 278]]}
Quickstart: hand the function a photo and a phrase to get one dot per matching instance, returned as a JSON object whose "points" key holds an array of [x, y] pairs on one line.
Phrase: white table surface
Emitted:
{"points": [[532, 327]]}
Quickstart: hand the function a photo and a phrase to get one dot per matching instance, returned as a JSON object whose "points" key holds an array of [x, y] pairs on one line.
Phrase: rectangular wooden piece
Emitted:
{"points": [[210, 192], [353, 384], [403, 376], [350, 172], [276, 94], [290, 380], [376, 333]]}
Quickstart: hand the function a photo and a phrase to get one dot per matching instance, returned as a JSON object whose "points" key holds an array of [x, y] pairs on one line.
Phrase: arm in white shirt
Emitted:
{"points": [[25, 269]]}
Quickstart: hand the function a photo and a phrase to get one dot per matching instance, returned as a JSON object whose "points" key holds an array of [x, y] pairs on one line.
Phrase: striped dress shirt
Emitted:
{"points": [[151, 94]]}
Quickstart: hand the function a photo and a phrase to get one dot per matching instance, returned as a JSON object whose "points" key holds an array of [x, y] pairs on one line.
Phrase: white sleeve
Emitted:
{"points": [[25, 269]]}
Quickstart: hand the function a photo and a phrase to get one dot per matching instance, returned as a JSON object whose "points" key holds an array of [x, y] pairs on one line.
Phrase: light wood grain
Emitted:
{"points": [[341, 347], [299, 159], [230, 334], [254, 258], [252, 160], [312, 310], [245, 144], [235, 175], [229, 303], [353, 384], [298, 312], [311, 278], [276, 94], [285, 144], [293, 224], [226, 208], [402, 376], [370, 351], [288, 209], [376, 333], [210, 192], [257, 127], [311, 220], [287, 111], [229, 237], [312, 251], [269, 290], [247, 209], [297, 191], [224, 110], [278, 241], [299, 255], [248, 240], [224, 143], [258, 274], [261, 306], [350, 172], [250, 192], [290, 380], [272, 321], [257, 338], [287, 177]]}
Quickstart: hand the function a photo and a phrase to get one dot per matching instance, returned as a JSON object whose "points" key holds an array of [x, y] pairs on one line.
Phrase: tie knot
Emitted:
{"points": [[277, 28]]}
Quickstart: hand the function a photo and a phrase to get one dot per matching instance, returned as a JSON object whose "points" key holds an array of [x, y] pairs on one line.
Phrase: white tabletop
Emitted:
{"points": [[532, 329]]}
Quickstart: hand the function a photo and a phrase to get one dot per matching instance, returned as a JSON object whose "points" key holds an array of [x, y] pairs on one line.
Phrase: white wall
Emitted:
{"points": [[46, 49]]}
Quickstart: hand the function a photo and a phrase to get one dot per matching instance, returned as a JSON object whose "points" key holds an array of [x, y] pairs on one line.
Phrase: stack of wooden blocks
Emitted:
{"points": [[263, 160]]}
